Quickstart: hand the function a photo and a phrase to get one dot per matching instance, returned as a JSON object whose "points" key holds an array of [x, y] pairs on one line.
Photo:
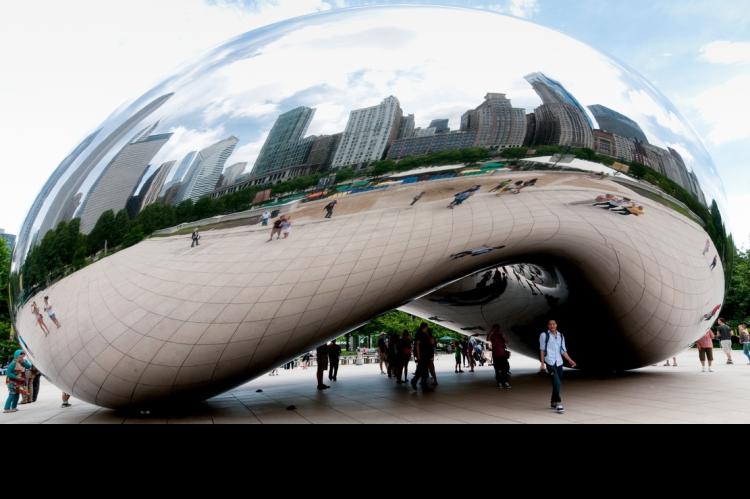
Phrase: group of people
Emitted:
{"points": [[328, 359], [40, 318], [513, 187], [282, 226], [23, 381], [620, 205], [725, 334]]}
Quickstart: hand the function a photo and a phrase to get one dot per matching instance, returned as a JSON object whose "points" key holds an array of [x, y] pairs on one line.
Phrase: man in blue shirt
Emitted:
{"points": [[553, 353]]}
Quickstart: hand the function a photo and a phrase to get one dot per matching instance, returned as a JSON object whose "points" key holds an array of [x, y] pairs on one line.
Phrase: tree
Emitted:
{"points": [[737, 302], [7, 344], [104, 231]]}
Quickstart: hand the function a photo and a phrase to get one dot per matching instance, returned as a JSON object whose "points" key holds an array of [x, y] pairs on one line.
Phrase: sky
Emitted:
{"points": [[68, 65]]}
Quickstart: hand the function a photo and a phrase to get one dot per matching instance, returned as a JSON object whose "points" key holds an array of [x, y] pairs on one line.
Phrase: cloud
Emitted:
{"points": [[724, 109], [518, 8], [726, 52]]}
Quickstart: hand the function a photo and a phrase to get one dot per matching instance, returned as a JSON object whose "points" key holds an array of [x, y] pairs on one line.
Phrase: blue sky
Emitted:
{"points": [[697, 52]]}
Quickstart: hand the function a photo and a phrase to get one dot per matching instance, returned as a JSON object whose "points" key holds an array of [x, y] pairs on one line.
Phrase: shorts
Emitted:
{"points": [[52, 317], [706, 353], [726, 345]]}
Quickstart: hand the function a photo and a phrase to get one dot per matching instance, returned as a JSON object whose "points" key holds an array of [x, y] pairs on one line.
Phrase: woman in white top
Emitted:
{"points": [[286, 227], [50, 312]]}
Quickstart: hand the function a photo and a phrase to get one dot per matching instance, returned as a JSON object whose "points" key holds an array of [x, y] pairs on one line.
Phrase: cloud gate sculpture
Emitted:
{"points": [[485, 170]]}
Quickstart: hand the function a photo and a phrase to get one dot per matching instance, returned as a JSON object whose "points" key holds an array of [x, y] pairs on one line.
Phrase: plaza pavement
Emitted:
{"points": [[662, 395]]}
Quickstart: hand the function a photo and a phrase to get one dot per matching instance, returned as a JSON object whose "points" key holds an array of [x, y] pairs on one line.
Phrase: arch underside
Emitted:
{"points": [[161, 322]]}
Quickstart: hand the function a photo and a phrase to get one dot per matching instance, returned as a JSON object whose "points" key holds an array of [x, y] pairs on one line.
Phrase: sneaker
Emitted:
{"points": [[507, 386], [553, 407], [7, 412], [710, 370], [560, 409], [323, 387], [730, 363], [704, 369], [66, 405]]}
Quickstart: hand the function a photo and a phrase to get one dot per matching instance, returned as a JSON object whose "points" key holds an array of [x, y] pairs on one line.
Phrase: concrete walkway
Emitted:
{"points": [[653, 395]]}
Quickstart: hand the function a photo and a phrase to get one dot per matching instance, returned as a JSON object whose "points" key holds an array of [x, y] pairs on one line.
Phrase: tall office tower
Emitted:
{"points": [[496, 122], [369, 133], [681, 167], [604, 143], [408, 124], [182, 170], [66, 196], [440, 126], [553, 92], [233, 172], [424, 132], [560, 124], [695, 188], [285, 145], [323, 149], [120, 179], [34, 212], [418, 146], [625, 149], [135, 201], [613, 122], [209, 165], [530, 129], [151, 195]]}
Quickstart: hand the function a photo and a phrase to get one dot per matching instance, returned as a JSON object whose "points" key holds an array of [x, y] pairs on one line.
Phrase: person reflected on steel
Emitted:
{"points": [[329, 208], [51, 312], [39, 318], [322, 360], [418, 198], [196, 238], [334, 358]]}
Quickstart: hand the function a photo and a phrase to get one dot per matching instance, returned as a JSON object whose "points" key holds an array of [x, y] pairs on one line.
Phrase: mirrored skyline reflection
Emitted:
{"points": [[438, 62]]}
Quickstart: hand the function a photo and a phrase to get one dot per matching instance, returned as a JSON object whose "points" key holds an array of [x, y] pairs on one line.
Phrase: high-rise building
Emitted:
{"points": [[182, 170], [496, 122], [695, 188], [285, 145], [440, 126], [604, 143], [66, 196], [152, 193], [369, 133], [31, 217], [553, 92], [613, 122], [233, 172], [530, 129], [323, 150], [418, 146], [563, 125], [424, 132], [9, 239], [208, 167], [408, 124], [681, 167], [120, 179], [625, 148]]}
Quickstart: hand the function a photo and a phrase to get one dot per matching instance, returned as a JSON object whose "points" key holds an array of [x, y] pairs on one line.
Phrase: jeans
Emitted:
{"points": [[556, 372], [746, 350], [502, 367], [12, 401], [423, 373]]}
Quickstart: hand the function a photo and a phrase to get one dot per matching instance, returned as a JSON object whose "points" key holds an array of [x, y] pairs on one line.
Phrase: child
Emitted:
{"points": [[458, 354]]}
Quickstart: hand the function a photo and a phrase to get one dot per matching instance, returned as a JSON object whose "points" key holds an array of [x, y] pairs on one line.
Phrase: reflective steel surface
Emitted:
{"points": [[614, 244]]}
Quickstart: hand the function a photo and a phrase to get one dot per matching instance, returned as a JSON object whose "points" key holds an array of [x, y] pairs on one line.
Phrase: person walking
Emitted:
{"points": [[500, 356], [392, 356], [277, 228], [553, 352], [66, 400], [196, 237], [322, 359], [472, 348], [405, 351], [383, 353], [725, 335], [51, 312], [334, 358], [706, 350], [424, 354], [417, 198], [264, 218], [286, 227], [745, 341], [457, 353], [329, 208], [433, 343], [15, 380], [674, 362]]}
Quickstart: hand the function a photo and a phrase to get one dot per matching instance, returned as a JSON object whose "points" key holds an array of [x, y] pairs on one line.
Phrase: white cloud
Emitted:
{"points": [[724, 109], [67, 65], [726, 52], [518, 8]]}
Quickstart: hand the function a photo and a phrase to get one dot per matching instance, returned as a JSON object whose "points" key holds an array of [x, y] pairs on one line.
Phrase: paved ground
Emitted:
{"points": [[652, 395]]}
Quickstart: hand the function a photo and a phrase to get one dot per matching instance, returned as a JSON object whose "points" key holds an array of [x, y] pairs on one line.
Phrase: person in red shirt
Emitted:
{"points": [[706, 350], [500, 356]]}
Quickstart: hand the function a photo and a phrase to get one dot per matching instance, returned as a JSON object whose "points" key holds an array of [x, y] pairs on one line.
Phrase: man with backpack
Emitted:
{"points": [[553, 353]]}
